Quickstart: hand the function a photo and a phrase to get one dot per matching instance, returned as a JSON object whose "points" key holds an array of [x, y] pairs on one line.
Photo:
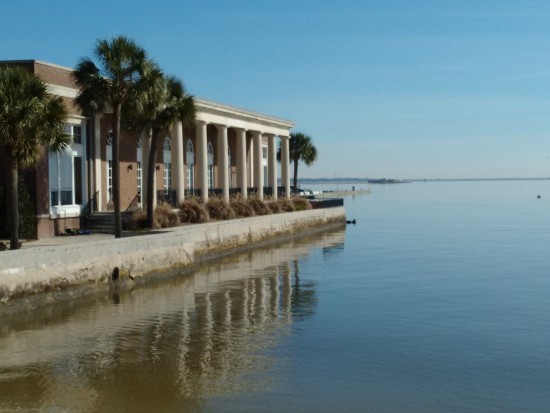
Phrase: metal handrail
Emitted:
{"points": [[124, 215], [87, 211]]}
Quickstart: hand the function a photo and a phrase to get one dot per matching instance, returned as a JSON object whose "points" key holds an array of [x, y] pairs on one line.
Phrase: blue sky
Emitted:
{"points": [[397, 89]]}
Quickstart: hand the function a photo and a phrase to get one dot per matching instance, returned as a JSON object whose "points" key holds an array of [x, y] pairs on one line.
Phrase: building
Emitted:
{"points": [[230, 150]]}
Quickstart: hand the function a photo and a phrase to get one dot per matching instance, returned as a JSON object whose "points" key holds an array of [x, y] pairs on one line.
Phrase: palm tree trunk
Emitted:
{"points": [[295, 176], [151, 166], [116, 169], [13, 202]]}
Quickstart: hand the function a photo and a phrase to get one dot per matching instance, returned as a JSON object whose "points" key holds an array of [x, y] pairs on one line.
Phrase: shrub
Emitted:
{"points": [[165, 217], [286, 205], [301, 204], [274, 206], [137, 220], [219, 209], [241, 207], [259, 207], [193, 212]]}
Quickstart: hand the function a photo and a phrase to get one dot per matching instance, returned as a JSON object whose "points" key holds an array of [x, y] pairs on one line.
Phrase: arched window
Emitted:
{"points": [[210, 166], [167, 157], [190, 164]]}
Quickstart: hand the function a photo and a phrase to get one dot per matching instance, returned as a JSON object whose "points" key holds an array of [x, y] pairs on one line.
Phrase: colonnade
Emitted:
{"points": [[257, 168], [251, 131]]}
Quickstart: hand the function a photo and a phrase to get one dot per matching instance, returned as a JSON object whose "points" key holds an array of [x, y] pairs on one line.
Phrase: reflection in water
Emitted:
{"points": [[165, 347]]}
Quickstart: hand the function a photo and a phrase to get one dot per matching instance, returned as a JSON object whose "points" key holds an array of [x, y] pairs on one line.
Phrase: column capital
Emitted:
{"points": [[284, 137], [220, 126], [255, 132], [268, 135]]}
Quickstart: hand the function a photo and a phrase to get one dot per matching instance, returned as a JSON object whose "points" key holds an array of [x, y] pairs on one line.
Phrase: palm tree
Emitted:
{"points": [[162, 102], [300, 150], [122, 64], [30, 119]]}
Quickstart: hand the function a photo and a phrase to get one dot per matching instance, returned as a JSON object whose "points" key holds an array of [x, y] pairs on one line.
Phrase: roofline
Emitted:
{"points": [[69, 69], [209, 104]]}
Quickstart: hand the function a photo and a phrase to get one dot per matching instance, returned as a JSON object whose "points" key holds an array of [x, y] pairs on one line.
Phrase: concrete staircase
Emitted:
{"points": [[102, 222]]}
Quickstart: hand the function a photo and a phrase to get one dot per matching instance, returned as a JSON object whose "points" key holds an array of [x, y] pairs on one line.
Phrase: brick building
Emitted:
{"points": [[229, 150]]}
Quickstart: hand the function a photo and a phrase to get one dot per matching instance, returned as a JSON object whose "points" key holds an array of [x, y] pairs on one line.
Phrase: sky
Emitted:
{"points": [[385, 88]]}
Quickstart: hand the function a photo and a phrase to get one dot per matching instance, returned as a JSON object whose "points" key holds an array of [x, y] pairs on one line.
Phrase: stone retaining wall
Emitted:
{"points": [[45, 269]]}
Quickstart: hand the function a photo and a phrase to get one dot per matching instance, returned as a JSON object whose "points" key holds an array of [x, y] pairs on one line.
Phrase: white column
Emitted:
{"points": [[145, 149], [258, 167], [251, 163], [285, 165], [272, 164], [223, 161], [202, 160], [97, 160], [241, 161], [177, 161]]}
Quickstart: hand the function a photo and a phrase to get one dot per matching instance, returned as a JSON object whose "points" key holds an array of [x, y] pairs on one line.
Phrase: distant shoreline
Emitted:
{"points": [[307, 181]]}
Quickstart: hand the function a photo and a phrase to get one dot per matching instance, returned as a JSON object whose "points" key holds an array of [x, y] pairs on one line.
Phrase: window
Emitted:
{"points": [[210, 166], [167, 173], [110, 179], [109, 152], [66, 173], [139, 183], [61, 169], [264, 163], [75, 132], [139, 169], [190, 165]]}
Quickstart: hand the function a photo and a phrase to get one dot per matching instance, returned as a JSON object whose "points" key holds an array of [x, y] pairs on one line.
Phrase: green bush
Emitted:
{"points": [[27, 212]]}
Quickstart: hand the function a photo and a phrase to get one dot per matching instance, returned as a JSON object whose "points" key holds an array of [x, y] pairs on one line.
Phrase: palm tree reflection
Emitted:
{"points": [[166, 347]]}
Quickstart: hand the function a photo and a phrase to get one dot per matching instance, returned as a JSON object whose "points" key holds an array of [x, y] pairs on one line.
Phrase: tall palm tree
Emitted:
{"points": [[301, 149], [162, 102], [30, 119], [122, 64]]}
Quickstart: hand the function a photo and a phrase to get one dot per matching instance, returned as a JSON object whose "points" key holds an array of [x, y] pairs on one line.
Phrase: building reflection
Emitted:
{"points": [[164, 347]]}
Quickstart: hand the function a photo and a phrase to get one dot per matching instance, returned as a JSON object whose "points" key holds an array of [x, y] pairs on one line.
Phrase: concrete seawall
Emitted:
{"points": [[45, 269]]}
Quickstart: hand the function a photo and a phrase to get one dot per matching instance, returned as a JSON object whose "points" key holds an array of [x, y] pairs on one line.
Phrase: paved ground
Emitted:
{"points": [[52, 242]]}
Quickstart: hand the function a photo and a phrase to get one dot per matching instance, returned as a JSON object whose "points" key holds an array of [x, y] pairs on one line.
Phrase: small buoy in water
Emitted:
{"points": [[539, 197], [351, 222]]}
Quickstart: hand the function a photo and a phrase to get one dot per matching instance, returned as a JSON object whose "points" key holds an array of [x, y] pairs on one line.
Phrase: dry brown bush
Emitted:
{"points": [[273, 206], [259, 207], [286, 205], [219, 209], [193, 212], [301, 204], [241, 207], [138, 220], [165, 217]]}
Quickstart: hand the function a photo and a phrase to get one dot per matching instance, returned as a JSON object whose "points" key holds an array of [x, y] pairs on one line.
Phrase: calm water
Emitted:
{"points": [[438, 300]]}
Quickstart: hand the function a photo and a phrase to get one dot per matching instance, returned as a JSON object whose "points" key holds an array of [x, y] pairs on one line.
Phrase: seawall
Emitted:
{"points": [[45, 269]]}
